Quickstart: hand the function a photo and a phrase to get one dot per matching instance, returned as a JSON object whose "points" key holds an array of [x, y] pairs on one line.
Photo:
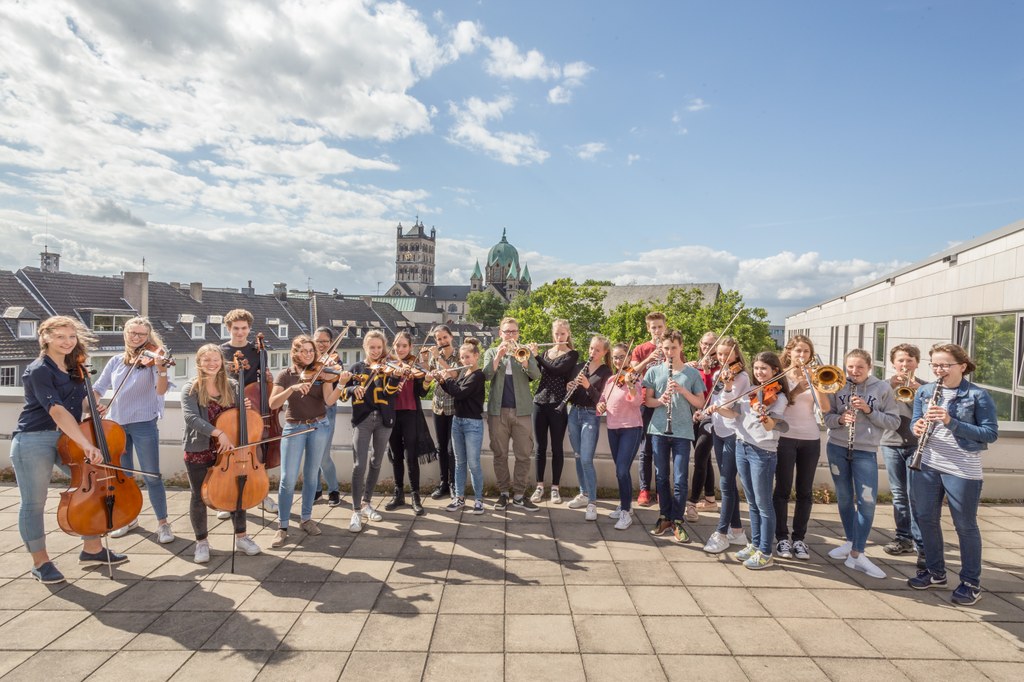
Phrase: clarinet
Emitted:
{"points": [[570, 388], [852, 426], [668, 408], [915, 461]]}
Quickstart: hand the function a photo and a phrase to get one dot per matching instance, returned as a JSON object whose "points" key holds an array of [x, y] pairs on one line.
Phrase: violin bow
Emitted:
{"points": [[269, 440], [625, 365], [322, 359], [707, 400]]}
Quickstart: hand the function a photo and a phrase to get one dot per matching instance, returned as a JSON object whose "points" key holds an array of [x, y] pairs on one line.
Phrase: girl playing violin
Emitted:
{"points": [[410, 438], [141, 382], [323, 337], [556, 370], [621, 402], [468, 425], [202, 401], [308, 396], [53, 405], [371, 388], [758, 420]]}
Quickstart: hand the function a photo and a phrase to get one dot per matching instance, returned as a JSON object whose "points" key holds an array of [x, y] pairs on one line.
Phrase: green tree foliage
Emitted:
{"points": [[580, 304], [485, 307]]}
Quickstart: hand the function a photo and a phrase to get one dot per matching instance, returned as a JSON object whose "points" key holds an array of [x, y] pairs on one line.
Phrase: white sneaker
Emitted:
{"points": [[717, 543], [556, 497], [164, 534], [356, 524], [123, 530], [371, 514], [201, 554], [269, 505], [842, 551], [246, 544], [579, 502], [737, 538], [864, 565], [591, 514], [617, 513], [223, 515], [538, 494], [625, 520]]}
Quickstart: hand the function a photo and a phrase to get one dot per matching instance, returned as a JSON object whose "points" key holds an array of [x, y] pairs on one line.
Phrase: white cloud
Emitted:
{"points": [[697, 104], [631, 159], [470, 131], [506, 61], [590, 150]]}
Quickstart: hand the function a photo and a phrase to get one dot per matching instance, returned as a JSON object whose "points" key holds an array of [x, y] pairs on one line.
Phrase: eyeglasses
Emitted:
{"points": [[510, 332], [306, 351], [944, 366], [138, 333]]}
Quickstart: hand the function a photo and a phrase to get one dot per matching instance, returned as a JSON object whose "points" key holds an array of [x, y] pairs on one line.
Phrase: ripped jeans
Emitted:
{"points": [[856, 486]]}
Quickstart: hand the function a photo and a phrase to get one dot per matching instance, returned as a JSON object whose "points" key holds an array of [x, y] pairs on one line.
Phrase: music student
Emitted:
{"points": [[467, 392], [556, 370], [704, 477], [137, 407], [672, 389], [443, 355], [621, 403], [371, 390], [857, 416], [799, 451], [410, 439], [730, 528], [584, 422], [759, 422], [509, 407], [202, 401], [642, 359], [898, 446], [957, 427], [307, 402], [54, 400], [323, 337]]}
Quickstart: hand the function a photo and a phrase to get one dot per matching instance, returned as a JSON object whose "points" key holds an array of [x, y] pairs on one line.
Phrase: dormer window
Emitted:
{"points": [[198, 331], [26, 329], [282, 331], [225, 333], [109, 323]]}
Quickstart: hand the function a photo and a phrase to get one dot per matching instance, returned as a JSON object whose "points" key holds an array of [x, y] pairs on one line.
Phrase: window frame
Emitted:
{"points": [[13, 372]]}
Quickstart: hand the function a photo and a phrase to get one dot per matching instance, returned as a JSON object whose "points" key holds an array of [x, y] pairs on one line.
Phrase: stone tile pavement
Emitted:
{"points": [[515, 596]]}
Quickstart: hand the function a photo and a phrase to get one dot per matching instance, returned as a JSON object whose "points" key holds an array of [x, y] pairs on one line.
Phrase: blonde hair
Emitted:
{"points": [[560, 322], [473, 346], [787, 352], [607, 362], [374, 334], [86, 340], [731, 342], [220, 379], [130, 355]]}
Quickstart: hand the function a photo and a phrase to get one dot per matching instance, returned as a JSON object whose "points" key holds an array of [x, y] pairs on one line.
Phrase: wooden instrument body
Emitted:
{"points": [[258, 393]]}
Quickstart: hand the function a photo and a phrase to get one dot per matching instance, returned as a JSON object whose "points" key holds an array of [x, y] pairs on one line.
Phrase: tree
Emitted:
{"points": [[580, 304], [485, 307]]}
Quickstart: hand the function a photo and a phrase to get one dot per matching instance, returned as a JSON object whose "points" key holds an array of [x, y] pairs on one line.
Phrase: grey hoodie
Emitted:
{"points": [[868, 431]]}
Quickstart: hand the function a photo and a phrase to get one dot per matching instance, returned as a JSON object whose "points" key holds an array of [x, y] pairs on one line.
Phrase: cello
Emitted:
{"points": [[100, 496], [259, 394]]}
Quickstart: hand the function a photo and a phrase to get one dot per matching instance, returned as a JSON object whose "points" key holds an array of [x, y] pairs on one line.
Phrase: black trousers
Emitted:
{"points": [[803, 456], [403, 444], [645, 468], [547, 420], [445, 455], [703, 470], [196, 506]]}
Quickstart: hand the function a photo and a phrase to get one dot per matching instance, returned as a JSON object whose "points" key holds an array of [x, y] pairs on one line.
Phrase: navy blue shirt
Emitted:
{"points": [[45, 386]]}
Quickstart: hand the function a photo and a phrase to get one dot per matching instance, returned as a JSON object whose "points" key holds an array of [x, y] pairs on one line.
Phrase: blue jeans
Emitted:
{"points": [[467, 438], [896, 467], [725, 455], [624, 443], [671, 496], [327, 468], [756, 468], [292, 449], [144, 438], [927, 487], [584, 429], [856, 485]]}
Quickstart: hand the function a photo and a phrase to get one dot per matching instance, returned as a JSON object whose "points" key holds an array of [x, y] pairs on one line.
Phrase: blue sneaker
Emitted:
{"points": [[966, 594], [100, 558], [923, 580], [745, 553], [48, 574]]}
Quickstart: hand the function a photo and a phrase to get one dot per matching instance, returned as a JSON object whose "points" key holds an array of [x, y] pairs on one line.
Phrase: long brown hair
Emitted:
{"points": [[220, 379], [787, 352], [86, 340]]}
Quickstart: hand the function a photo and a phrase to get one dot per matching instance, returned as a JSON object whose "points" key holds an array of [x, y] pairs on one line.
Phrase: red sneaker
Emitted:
{"points": [[645, 498]]}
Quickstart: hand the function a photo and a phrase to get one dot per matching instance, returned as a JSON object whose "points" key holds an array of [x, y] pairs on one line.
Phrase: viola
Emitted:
{"points": [[100, 497], [239, 479], [258, 393]]}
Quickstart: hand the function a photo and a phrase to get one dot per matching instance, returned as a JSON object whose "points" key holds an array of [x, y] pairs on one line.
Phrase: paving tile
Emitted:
{"points": [[35, 629], [779, 667], [469, 633], [24, 593], [397, 666], [859, 669], [531, 549], [84, 595], [350, 570], [237, 666], [533, 667], [604, 599], [746, 636], [420, 548], [726, 601], [683, 635], [9, 660], [395, 632], [309, 569], [333, 597], [928, 671], [419, 571], [216, 595], [487, 599], [251, 631], [413, 598], [178, 630], [590, 573], [688, 668], [663, 600], [581, 551], [279, 596], [618, 667], [919, 605], [791, 603], [973, 641], [602, 634], [298, 665], [324, 632], [473, 570], [447, 666], [104, 631], [533, 572], [863, 604], [65, 666], [827, 637], [158, 595], [540, 633], [647, 573], [536, 599], [145, 666], [707, 574], [900, 639], [1001, 672]]}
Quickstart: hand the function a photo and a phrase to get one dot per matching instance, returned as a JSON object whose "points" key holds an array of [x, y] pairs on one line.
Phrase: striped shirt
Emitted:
{"points": [[943, 454], [138, 400]]}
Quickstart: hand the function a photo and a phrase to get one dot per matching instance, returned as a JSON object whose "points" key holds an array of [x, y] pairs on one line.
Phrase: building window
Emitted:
{"points": [[833, 346], [9, 376], [282, 331], [860, 337], [198, 331], [995, 343], [225, 333], [878, 356], [109, 323], [278, 359], [26, 329]]}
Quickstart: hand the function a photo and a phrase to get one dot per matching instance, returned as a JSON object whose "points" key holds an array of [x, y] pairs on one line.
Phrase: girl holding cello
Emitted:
{"points": [[139, 377], [53, 405], [202, 401], [308, 396]]}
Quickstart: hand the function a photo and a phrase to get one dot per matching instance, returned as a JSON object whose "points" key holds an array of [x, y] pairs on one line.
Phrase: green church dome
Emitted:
{"points": [[503, 254]]}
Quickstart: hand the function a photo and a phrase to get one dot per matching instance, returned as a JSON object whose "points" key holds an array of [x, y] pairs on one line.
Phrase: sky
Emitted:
{"points": [[789, 150]]}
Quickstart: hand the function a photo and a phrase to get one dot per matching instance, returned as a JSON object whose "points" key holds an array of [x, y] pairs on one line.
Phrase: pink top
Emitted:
{"points": [[623, 409]]}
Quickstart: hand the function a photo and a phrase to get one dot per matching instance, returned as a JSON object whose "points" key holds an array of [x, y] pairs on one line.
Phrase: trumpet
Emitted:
{"points": [[519, 351], [906, 392]]}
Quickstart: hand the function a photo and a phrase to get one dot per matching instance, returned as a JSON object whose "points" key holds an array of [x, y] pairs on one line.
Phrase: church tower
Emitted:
{"points": [[414, 258]]}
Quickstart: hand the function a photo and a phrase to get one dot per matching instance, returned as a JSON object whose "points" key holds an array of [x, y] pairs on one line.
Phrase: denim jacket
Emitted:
{"points": [[972, 415]]}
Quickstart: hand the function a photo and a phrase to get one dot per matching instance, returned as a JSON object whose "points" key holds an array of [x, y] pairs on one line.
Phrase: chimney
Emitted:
{"points": [[248, 290], [176, 286], [136, 291], [49, 262], [195, 290], [281, 291]]}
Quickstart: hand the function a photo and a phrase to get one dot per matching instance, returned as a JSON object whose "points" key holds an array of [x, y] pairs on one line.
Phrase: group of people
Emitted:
{"points": [[761, 420]]}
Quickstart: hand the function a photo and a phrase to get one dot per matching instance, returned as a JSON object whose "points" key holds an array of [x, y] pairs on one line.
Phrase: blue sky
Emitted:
{"points": [[789, 150]]}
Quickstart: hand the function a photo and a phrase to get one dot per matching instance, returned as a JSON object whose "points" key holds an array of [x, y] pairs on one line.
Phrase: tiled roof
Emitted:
{"points": [[448, 292], [14, 296]]}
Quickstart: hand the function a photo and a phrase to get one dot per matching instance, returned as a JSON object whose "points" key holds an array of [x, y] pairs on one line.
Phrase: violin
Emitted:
{"points": [[259, 394], [626, 378], [764, 398], [321, 372], [239, 479], [150, 354], [100, 497]]}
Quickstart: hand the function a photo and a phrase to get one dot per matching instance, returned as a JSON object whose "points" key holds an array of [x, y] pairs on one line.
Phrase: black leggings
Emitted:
{"points": [[703, 470], [197, 508], [546, 419], [645, 467], [445, 456], [803, 456], [403, 449]]}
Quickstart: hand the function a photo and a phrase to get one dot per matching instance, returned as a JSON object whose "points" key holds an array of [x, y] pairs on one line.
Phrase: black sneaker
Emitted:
{"points": [[966, 594], [318, 494], [456, 505], [100, 558], [924, 579], [524, 503], [441, 491], [502, 503], [899, 546], [334, 499]]}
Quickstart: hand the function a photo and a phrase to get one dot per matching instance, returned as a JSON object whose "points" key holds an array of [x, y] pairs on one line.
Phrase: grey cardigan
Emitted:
{"points": [[198, 429]]}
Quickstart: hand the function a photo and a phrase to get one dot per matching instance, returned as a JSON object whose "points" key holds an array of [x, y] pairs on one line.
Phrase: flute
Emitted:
{"points": [[915, 461]]}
